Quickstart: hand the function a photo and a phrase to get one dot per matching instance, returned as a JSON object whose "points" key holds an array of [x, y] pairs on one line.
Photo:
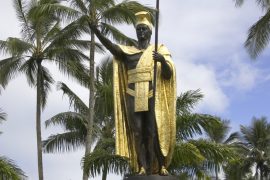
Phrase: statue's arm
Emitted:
{"points": [[113, 48], [166, 71]]}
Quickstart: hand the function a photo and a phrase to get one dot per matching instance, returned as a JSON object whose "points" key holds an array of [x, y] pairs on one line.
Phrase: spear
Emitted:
{"points": [[156, 49]]}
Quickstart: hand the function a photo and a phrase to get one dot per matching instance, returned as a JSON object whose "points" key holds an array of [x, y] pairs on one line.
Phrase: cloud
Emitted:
{"points": [[193, 76], [240, 75]]}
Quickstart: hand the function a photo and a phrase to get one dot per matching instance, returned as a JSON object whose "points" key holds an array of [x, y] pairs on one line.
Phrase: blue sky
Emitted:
{"points": [[206, 41]]}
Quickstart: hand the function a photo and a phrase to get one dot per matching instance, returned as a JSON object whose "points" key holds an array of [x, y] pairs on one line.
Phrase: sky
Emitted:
{"points": [[206, 41]]}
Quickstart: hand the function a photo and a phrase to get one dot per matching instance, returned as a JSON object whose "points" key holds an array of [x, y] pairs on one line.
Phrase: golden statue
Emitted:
{"points": [[145, 126]]}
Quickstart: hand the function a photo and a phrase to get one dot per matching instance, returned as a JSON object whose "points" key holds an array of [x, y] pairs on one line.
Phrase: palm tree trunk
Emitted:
{"points": [[38, 124], [91, 100]]}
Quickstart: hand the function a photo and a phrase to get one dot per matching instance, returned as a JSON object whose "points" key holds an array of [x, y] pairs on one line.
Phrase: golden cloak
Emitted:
{"points": [[165, 106]]}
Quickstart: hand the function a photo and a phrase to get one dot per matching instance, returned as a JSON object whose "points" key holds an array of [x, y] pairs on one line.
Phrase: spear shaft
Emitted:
{"points": [[156, 49]]}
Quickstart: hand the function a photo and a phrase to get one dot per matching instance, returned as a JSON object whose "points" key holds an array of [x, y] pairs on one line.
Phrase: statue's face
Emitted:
{"points": [[143, 32]]}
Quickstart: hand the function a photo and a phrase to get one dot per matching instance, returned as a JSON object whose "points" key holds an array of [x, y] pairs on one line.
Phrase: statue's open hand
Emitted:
{"points": [[158, 57]]}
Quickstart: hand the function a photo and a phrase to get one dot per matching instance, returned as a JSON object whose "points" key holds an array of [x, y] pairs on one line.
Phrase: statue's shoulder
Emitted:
{"points": [[129, 49], [163, 49]]}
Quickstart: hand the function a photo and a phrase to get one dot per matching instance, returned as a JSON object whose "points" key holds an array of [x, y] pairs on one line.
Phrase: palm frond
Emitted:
{"points": [[100, 161], [118, 14], [190, 125], [9, 170], [238, 3], [238, 169], [21, 11], [258, 36], [70, 121], [46, 82], [67, 36], [15, 47], [54, 30], [29, 68], [219, 133], [187, 100], [70, 63], [9, 69], [80, 5], [2, 115], [234, 137], [65, 142], [104, 85], [257, 135], [107, 144], [118, 36], [124, 12], [74, 100], [186, 154], [215, 154], [102, 5], [61, 11]]}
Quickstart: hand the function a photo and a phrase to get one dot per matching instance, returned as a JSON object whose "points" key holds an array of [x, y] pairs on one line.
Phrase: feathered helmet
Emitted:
{"points": [[143, 17]]}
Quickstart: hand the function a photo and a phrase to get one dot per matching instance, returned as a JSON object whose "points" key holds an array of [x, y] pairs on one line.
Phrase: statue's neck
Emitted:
{"points": [[143, 44]]}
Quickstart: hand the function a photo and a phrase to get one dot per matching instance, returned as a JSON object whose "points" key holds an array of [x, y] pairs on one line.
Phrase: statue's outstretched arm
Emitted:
{"points": [[166, 71], [113, 48]]}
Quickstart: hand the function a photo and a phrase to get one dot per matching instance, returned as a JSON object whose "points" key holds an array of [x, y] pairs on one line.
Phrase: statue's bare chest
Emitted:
{"points": [[132, 60]]}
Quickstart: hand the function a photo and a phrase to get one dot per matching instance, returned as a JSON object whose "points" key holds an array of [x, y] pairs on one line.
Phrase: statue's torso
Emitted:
{"points": [[131, 62]]}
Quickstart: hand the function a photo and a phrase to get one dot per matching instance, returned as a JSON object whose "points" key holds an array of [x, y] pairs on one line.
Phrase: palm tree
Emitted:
{"points": [[43, 41], [8, 169], [105, 14], [259, 33], [195, 157], [103, 159], [257, 140], [219, 135], [75, 127]]}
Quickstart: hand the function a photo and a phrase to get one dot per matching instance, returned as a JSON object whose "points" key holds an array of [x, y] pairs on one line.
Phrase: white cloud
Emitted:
{"points": [[193, 76], [240, 75]]}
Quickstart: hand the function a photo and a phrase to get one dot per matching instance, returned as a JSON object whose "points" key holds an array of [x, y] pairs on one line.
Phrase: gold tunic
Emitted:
{"points": [[165, 101]]}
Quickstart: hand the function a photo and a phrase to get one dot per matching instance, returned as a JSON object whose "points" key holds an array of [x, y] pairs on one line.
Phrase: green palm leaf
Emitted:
{"points": [[69, 120], [190, 125], [104, 85], [54, 7], [9, 170], [215, 154], [186, 154], [102, 5], [64, 142], [258, 36], [21, 11], [9, 69], [124, 12], [80, 5], [187, 100], [100, 161], [46, 82], [75, 101], [15, 46]]}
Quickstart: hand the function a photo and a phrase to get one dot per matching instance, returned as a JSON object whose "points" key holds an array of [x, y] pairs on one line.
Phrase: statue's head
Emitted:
{"points": [[143, 26]]}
